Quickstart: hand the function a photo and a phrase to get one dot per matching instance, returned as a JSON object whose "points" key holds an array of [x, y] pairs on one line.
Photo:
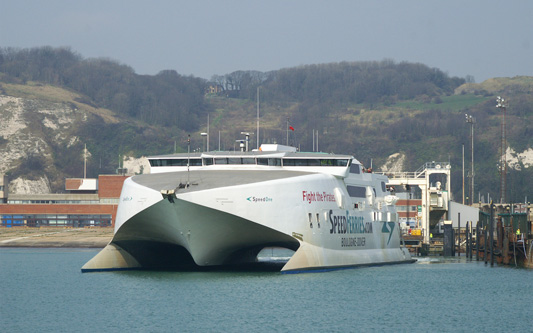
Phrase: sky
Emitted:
{"points": [[480, 38]]}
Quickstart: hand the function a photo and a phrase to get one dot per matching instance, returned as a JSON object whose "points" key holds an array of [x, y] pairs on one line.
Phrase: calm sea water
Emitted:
{"points": [[42, 290]]}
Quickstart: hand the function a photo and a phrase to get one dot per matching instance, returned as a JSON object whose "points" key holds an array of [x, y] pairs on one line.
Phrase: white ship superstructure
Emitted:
{"points": [[223, 208]]}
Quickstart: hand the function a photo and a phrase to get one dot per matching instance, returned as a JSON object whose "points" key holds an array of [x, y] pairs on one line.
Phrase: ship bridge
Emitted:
{"points": [[433, 179]]}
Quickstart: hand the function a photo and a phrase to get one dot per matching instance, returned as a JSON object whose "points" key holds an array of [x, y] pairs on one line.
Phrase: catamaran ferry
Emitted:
{"points": [[223, 208]]}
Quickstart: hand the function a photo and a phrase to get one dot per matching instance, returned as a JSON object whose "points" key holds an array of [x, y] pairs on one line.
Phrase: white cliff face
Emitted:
{"points": [[25, 186], [29, 126], [13, 128], [136, 166], [11, 112], [513, 158], [394, 163]]}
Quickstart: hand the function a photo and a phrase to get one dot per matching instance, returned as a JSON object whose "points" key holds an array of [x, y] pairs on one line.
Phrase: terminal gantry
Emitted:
{"points": [[433, 179]]}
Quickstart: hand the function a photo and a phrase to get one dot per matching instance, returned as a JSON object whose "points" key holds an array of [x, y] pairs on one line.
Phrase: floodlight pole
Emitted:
{"points": [[503, 159], [463, 173], [471, 120]]}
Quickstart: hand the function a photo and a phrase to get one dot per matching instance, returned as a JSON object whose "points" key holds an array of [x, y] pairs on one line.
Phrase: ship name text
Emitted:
{"points": [[311, 196]]}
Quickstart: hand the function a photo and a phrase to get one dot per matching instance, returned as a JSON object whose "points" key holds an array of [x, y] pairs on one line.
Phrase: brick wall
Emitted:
{"points": [[110, 186], [72, 183]]}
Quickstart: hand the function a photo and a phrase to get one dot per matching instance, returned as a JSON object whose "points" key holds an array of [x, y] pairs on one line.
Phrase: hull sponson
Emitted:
{"points": [[207, 236]]}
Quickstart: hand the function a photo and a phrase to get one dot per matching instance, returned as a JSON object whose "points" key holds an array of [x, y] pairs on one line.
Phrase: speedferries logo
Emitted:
{"points": [[348, 224], [344, 223]]}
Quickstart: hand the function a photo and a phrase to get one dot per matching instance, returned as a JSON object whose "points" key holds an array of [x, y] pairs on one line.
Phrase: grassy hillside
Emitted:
{"points": [[517, 84], [369, 109], [423, 129], [49, 93], [51, 125]]}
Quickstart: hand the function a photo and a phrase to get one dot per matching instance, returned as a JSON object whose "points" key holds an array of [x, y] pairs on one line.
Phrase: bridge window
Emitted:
{"points": [[314, 162], [269, 161], [356, 191], [354, 168], [234, 160], [175, 162]]}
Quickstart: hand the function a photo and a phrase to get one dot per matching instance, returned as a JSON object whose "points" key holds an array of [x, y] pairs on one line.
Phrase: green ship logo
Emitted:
{"points": [[388, 227]]}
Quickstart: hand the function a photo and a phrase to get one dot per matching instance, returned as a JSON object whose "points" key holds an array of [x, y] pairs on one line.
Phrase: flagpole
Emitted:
{"points": [[313, 139], [287, 131]]}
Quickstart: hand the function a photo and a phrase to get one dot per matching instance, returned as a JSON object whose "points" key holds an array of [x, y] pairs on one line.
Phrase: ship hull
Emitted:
{"points": [[229, 221]]}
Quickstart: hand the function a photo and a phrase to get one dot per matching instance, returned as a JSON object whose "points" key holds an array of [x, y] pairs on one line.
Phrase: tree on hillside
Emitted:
{"points": [[166, 99], [345, 82]]}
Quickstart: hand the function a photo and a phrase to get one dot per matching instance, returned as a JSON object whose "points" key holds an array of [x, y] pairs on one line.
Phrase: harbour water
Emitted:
{"points": [[43, 290]]}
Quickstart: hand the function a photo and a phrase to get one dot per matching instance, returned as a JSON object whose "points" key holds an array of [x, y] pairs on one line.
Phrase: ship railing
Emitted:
{"points": [[404, 175], [419, 173]]}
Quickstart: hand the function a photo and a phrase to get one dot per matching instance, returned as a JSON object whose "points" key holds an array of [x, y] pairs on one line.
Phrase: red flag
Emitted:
{"points": [[291, 128]]}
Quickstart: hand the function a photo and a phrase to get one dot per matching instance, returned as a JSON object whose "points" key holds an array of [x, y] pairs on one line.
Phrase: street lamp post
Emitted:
{"points": [[471, 120], [503, 161]]}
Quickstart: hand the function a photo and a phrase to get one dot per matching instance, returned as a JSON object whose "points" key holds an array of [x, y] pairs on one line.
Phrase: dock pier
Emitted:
{"points": [[502, 236]]}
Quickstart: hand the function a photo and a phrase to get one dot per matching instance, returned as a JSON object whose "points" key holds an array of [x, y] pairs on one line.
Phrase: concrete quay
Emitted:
{"points": [[89, 237]]}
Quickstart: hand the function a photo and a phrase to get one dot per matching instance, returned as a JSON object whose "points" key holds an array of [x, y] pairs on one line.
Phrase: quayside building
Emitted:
{"points": [[87, 202]]}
